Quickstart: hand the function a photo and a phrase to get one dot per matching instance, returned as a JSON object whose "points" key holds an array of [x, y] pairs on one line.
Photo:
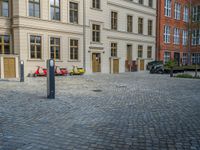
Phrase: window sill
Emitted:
{"points": [[4, 17], [76, 24], [77, 61], [39, 60], [97, 9], [98, 43]]}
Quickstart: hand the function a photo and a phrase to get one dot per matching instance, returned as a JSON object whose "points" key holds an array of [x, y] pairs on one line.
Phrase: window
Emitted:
{"points": [[73, 12], [186, 14], [129, 23], [177, 11], [196, 58], [185, 37], [184, 59], [196, 13], [168, 8], [140, 25], [73, 49], [34, 8], [4, 8], [35, 47], [167, 57], [113, 49], [55, 48], [150, 3], [149, 52], [167, 34], [96, 4], [140, 51], [176, 36], [55, 9], [114, 20], [195, 37], [140, 1], [150, 27], [95, 33], [5, 44]]}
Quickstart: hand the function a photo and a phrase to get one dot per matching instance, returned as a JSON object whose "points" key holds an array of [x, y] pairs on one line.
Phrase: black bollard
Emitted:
{"points": [[50, 79], [21, 71]]}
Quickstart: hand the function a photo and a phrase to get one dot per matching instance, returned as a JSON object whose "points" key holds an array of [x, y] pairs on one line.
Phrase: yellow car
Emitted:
{"points": [[77, 71]]}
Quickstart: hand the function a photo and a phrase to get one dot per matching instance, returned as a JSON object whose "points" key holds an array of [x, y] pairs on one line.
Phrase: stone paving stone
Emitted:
{"points": [[131, 111]]}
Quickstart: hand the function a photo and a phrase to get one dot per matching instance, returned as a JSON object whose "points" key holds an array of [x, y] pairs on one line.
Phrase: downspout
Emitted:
{"points": [[158, 31], [84, 35], [189, 33], [11, 26]]}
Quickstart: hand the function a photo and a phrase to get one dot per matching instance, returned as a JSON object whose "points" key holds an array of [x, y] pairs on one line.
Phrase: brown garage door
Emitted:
{"points": [[116, 66], [9, 68]]}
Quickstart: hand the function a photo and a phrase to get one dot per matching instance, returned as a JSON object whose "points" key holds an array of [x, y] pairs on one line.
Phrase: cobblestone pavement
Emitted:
{"points": [[135, 111]]}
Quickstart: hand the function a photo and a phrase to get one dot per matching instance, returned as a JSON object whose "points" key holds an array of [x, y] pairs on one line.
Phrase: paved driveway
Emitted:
{"points": [[127, 111]]}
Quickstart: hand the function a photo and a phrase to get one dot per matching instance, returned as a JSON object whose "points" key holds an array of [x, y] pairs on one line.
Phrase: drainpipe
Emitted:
{"points": [[84, 34], [11, 24], [189, 33]]}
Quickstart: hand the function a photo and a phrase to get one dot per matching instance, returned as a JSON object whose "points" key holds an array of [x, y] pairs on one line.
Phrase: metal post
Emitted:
{"points": [[21, 71], [50, 79]]}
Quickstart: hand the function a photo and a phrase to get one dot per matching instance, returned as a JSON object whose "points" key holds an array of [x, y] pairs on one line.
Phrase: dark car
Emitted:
{"points": [[157, 69], [153, 63]]}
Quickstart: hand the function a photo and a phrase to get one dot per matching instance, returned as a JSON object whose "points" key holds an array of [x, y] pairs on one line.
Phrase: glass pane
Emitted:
{"points": [[30, 9], [7, 49], [58, 3], [6, 39], [52, 41], [37, 10], [5, 9], [32, 51], [57, 52], [52, 13], [52, 2], [57, 41], [38, 51], [32, 39], [1, 49], [38, 39], [52, 52], [57, 14]]}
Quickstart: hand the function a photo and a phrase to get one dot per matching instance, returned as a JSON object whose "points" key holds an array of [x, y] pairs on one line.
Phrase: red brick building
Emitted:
{"points": [[173, 17], [195, 32]]}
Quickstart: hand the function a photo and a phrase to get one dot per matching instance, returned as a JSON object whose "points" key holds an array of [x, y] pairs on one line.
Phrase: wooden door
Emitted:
{"points": [[9, 68], [96, 62], [141, 64], [115, 66]]}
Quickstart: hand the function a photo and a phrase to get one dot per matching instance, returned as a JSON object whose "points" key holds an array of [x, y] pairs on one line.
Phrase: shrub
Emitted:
{"points": [[186, 76]]}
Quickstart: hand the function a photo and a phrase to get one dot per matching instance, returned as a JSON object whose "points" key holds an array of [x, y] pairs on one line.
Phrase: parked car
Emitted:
{"points": [[157, 69], [151, 64]]}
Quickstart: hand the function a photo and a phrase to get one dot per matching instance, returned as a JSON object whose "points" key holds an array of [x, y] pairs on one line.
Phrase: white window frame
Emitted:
{"points": [[167, 57], [186, 14], [184, 37], [168, 8], [177, 11], [167, 34], [176, 36]]}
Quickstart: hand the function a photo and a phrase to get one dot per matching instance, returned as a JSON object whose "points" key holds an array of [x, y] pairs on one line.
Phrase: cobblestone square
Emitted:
{"points": [[130, 111]]}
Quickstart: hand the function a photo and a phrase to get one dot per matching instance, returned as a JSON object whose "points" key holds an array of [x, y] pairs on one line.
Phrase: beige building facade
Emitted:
{"points": [[106, 36]]}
